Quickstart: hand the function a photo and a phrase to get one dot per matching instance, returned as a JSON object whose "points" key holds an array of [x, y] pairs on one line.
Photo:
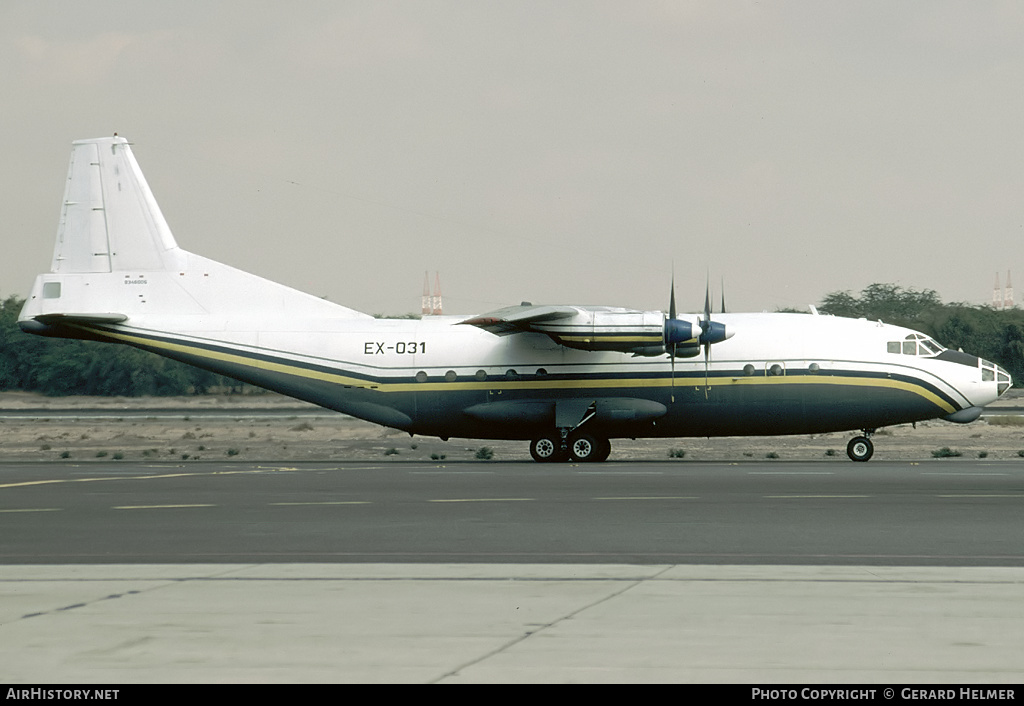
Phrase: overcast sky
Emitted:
{"points": [[558, 152]]}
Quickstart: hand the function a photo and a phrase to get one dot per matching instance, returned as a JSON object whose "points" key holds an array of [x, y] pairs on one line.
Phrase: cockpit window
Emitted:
{"points": [[915, 344]]}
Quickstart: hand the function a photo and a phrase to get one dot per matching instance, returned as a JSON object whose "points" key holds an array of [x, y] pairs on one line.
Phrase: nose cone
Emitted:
{"points": [[994, 383], [1005, 381], [993, 375]]}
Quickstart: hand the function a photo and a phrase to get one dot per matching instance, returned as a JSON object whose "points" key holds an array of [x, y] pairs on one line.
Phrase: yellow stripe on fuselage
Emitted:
{"points": [[663, 381], [610, 339], [237, 359]]}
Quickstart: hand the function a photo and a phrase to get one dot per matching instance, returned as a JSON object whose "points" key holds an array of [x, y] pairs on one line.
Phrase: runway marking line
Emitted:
{"points": [[806, 497], [651, 497], [481, 500], [33, 509], [159, 507], [326, 502], [183, 474]]}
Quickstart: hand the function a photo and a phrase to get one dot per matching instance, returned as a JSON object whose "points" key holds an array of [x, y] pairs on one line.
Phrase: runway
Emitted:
{"points": [[759, 572], [965, 513]]}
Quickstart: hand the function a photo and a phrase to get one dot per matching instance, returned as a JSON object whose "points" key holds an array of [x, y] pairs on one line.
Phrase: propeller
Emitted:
{"points": [[684, 338], [710, 332]]}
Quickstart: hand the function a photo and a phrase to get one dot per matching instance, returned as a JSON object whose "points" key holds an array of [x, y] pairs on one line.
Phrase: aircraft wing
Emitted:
{"points": [[597, 328], [519, 319]]}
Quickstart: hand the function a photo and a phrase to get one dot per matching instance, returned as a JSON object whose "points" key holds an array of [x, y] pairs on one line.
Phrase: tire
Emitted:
{"points": [[860, 449], [589, 448], [547, 449]]}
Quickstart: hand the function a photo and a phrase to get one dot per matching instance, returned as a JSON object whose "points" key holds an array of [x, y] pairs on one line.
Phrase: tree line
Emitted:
{"points": [[993, 334], [56, 366], [71, 367]]}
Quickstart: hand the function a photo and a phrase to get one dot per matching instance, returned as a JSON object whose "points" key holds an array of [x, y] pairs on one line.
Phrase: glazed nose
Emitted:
{"points": [[990, 372]]}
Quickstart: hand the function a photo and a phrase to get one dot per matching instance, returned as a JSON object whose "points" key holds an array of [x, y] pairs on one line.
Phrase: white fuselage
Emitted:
{"points": [[542, 373]]}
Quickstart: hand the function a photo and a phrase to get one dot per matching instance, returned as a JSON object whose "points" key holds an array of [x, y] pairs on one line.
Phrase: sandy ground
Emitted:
{"points": [[188, 429]]}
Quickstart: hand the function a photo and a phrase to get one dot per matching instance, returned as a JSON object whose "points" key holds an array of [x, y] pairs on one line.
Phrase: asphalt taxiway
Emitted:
{"points": [[749, 572]]}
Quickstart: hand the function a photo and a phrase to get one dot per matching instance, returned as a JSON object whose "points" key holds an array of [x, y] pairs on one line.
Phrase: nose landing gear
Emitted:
{"points": [[860, 448]]}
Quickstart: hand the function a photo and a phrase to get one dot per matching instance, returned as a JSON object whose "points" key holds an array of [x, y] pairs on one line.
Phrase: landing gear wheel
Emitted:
{"points": [[860, 448], [547, 449], [589, 448]]}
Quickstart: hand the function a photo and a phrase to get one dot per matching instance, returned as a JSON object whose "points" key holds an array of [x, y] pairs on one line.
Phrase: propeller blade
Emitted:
{"points": [[705, 327], [707, 305], [672, 349], [672, 298], [707, 361], [671, 315], [672, 362]]}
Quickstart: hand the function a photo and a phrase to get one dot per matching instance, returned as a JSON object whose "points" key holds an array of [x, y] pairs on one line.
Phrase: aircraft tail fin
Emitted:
{"points": [[109, 219], [115, 259]]}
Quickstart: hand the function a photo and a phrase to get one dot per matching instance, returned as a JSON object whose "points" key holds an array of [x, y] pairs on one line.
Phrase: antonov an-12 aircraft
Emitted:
{"points": [[566, 378]]}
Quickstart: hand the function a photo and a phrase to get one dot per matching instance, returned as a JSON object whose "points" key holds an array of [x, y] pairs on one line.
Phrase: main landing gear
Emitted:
{"points": [[860, 448], [579, 446]]}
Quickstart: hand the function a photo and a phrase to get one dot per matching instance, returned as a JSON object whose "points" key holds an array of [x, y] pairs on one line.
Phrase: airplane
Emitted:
{"points": [[566, 378]]}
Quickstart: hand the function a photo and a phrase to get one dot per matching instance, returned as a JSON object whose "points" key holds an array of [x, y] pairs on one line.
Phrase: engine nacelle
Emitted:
{"points": [[642, 333], [609, 329]]}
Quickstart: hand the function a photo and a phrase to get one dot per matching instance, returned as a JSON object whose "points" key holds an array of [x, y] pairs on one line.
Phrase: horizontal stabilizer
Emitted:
{"points": [[51, 319], [52, 324]]}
